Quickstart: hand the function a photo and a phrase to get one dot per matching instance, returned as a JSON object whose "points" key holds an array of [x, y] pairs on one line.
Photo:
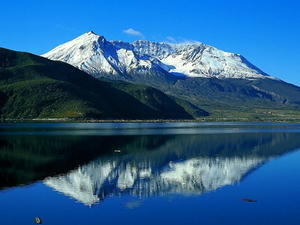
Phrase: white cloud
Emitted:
{"points": [[133, 32], [171, 39]]}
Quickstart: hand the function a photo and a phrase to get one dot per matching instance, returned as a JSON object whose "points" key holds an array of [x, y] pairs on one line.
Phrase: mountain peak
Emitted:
{"points": [[87, 37], [78, 50]]}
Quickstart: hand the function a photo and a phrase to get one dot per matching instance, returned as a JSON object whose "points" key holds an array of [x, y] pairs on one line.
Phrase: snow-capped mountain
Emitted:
{"points": [[199, 73], [93, 182], [95, 55]]}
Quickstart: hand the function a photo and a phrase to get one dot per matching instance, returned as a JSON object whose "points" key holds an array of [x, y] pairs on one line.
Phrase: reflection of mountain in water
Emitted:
{"points": [[164, 164], [105, 177], [190, 160]]}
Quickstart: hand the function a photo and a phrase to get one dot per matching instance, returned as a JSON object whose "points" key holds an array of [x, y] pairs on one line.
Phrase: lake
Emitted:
{"points": [[150, 173]]}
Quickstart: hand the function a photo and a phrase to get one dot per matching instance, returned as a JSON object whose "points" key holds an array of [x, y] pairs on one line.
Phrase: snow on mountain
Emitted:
{"points": [[87, 52], [95, 55], [112, 177]]}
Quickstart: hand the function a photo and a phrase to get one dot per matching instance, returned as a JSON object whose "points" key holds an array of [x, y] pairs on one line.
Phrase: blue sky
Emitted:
{"points": [[266, 32]]}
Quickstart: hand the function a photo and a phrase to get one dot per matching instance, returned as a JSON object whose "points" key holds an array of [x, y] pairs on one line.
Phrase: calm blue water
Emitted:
{"points": [[150, 173]]}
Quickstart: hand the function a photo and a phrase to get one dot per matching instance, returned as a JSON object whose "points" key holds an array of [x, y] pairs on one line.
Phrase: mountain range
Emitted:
{"points": [[90, 77], [221, 83], [95, 55]]}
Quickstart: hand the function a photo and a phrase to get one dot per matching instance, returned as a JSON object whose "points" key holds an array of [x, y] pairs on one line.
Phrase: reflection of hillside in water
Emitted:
{"points": [[184, 164]]}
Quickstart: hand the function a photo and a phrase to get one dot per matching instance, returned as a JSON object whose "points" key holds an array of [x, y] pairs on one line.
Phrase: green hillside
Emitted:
{"points": [[35, 87], [158, 100]]}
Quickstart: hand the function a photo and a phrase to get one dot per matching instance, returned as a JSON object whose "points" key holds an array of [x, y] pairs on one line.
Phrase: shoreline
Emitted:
{"points": [[91, 120]]}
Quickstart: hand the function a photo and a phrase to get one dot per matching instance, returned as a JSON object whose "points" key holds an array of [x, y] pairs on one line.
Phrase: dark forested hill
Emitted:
{"points": [[35, 87]]}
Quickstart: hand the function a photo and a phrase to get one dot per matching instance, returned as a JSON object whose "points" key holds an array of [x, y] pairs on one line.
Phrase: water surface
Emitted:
{"points": [[147, 173]]}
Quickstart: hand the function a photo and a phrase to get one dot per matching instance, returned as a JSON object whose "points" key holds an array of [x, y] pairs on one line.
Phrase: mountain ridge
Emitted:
{"points": [[92, 53]]}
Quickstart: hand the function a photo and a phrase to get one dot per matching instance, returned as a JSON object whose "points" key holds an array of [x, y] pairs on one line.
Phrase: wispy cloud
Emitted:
{"points": [[187, 41], [64, 27], [171, 39], [133, 32], [181, 40]]}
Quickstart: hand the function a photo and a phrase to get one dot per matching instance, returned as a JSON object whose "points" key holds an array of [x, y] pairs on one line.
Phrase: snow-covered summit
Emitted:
{"points": [[95, 55], [86, 52]]}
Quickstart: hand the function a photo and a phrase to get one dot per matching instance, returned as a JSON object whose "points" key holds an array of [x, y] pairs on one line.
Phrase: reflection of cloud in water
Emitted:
{"points": [[101, 178]]}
